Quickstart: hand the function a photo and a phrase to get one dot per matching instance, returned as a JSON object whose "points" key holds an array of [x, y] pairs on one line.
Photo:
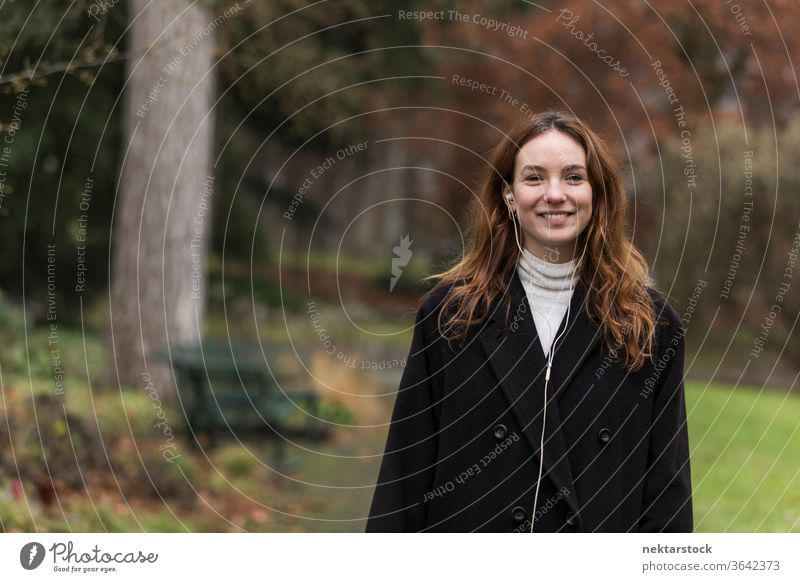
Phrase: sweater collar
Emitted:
{"points": [[546, 274]]}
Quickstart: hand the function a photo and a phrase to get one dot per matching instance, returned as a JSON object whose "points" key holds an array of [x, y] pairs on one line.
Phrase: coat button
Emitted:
{"points": [[518, 513], [604, 435], [570, 519], [500, 432]]}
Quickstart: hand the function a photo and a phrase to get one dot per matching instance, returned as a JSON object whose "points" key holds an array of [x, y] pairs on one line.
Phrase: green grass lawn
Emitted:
{"points": [[745, 462]]}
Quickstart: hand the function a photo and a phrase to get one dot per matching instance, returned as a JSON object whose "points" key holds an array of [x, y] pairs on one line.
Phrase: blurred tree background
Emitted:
{"points": [[330, 131]]}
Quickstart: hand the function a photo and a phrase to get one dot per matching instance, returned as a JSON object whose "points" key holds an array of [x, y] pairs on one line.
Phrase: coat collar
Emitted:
{"points": [[515, 355]]}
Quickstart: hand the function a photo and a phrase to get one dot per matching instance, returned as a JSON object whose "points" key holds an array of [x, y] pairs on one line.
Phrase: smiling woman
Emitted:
{"points": [[540, 422]]}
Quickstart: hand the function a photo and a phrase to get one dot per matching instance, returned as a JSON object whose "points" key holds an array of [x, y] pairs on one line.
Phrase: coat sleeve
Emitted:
{"points": [[409, 460], [667, 503]]}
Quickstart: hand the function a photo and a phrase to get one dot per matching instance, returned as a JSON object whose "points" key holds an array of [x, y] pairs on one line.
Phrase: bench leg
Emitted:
{"points": [[279, 450]]}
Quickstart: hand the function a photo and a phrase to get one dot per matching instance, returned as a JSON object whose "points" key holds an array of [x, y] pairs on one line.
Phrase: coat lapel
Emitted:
{"points": [[515, 355]]}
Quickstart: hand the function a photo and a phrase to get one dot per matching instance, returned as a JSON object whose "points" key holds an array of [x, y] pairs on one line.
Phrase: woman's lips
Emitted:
{"points": [[555, 218]]}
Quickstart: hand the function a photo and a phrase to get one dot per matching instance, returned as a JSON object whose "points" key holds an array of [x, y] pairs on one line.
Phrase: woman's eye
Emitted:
{"points": [[532, 178], [574, 178]]}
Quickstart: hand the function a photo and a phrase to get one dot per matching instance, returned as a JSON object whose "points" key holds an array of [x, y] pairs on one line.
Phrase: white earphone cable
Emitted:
{"points": [[550, 358]]}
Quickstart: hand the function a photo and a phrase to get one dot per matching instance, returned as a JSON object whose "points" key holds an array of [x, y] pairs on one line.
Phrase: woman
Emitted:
{"points": [[546, 336]]}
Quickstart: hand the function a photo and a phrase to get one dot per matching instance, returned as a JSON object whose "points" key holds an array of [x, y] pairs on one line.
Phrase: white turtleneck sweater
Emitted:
{"points": [[549, 289]]}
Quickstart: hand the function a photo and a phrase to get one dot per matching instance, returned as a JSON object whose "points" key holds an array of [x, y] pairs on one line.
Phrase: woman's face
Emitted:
{"points": [[552, 195]]}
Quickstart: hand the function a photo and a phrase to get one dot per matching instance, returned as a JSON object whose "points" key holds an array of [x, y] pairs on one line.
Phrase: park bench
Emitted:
{"points": [[243, 389]]}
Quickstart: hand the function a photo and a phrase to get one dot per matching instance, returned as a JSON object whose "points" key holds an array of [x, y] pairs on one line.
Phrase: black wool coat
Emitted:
{"points": [[462, 453]]}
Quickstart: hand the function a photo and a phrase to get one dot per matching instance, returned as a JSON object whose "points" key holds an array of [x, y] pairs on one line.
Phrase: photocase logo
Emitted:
{"points": [[31, 555], [402, 254], [552, 254]]}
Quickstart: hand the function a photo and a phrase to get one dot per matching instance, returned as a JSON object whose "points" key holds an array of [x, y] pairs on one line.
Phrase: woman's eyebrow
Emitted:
{"points": [[568, 168]]}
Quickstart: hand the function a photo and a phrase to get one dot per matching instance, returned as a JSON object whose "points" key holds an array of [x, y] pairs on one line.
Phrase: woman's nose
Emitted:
{"points": [[554, 192]]}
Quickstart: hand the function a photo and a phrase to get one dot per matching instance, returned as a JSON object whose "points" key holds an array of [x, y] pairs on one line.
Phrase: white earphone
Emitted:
{"points": [[550, 357]]}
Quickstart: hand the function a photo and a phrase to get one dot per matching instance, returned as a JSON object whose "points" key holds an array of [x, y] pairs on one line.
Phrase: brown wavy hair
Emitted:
{"points": [[614, 272]]}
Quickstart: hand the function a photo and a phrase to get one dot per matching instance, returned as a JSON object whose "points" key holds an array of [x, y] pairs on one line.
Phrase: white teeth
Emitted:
{"points": [[555, 214]]}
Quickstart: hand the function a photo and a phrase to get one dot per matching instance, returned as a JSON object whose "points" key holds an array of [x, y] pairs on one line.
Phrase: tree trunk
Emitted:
{"points": [[162, 218]]}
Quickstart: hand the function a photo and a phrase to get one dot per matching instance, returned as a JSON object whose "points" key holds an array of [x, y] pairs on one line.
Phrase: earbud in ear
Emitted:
{"points": [[509, 204]]}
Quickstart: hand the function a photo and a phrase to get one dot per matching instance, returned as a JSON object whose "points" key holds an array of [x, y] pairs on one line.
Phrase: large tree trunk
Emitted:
{"points": [[162, 217]]}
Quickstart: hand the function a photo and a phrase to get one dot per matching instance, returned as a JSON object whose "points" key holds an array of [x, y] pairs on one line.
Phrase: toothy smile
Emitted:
{"points": [[556, 218]]}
